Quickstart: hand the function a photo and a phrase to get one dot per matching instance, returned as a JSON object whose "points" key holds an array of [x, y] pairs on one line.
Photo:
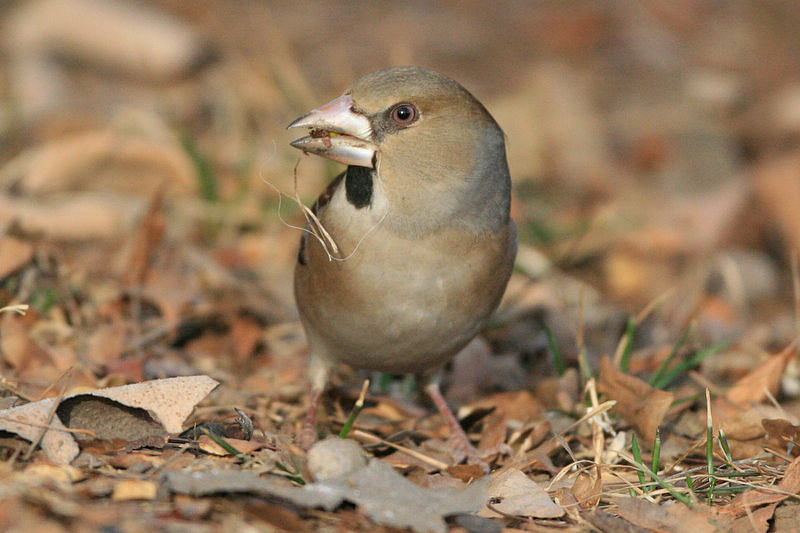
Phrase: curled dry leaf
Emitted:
{"points": [[107, 414], [170, 401], [766, 377], [587, 488], [638, 403], [513, 493], [29, 420], [668, 518]]}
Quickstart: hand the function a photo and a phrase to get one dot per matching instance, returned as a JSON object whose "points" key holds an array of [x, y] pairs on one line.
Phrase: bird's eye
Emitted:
{"points": [[404, 114]]}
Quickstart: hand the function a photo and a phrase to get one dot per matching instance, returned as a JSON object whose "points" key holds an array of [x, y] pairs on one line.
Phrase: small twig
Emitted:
{"points": [[225, 445], [681, 497], [348, 425], [49, 419], [413, 453], [20, 309], [79, 431]]}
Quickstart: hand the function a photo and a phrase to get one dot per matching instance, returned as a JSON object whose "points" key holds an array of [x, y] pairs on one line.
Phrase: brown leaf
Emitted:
{"points": [[778, 189], [146, 238], [28, 421], [755, 522], [781, 433], [638, 403], [587, 489], [107, 420], [517, 405], [14, 253], [514, 493], [134, 489], [16, 346], [129, 412], [790, 484], [106, 343], [494, 432], [668, 518], [466, 473], [170, 401], [751, 388], [209, 446], [246, 334]]}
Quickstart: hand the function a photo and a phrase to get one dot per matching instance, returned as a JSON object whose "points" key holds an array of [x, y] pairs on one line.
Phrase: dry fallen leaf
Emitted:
{"points": [[777, 186], [159, 406], [756, 521], [513, 493], [753, 387], [587, 488], [14, 253], [30, 420], [746, 502], [381, 493], [208, 445], [170, 401], [671, 517], [782, 435], [638, 403], [134, 489]]}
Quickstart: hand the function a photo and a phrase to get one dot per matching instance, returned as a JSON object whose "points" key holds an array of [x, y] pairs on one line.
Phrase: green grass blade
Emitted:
{"points": [[684, 366], [348, 425], [637, 456], [656, 451], [657, 376], [712, 481], [558, 357], [625, 359]]}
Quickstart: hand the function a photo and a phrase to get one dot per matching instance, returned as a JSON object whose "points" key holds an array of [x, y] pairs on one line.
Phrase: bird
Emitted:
{"points": [[408, 251]]}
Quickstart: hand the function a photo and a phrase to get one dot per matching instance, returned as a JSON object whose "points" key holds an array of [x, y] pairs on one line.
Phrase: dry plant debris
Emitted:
{"points": [[129, 412]]}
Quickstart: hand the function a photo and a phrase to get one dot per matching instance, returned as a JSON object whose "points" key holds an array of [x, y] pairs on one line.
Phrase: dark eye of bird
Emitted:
{"points": [[404, 114]]}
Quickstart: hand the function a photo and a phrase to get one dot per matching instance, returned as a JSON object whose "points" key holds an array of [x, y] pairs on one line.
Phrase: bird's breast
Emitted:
{"points": [[403, 305]]}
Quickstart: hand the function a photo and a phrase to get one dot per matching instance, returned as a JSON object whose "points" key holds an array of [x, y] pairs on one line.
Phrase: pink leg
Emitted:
{"points": [[457, 435], [308, 432]]}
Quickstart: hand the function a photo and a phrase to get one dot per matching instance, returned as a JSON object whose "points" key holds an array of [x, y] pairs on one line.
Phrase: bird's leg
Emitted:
{"points": [[318, 370], [458, 436], [308, 431]]}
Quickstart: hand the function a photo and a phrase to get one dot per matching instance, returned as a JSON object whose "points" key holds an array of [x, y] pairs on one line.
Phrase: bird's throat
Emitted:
{"points": [[358, 186]]}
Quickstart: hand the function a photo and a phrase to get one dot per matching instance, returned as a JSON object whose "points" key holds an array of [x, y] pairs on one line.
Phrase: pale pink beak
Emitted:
{"points": [[337, 133]]}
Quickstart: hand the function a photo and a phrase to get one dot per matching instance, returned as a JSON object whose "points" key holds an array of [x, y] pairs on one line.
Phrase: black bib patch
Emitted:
{"points": [[358, 186]]}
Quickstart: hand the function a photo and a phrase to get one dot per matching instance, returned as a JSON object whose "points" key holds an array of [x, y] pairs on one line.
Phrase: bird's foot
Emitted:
{"points": [[458, 441], [462, 447], [307, 436]]}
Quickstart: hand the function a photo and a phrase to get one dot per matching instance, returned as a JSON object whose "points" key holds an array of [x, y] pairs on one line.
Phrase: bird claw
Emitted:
{"points": [[459, 443], [307, 437]]}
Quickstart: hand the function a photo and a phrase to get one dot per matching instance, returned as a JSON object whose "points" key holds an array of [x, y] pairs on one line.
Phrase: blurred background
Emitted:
{"points": [[654, 148]]}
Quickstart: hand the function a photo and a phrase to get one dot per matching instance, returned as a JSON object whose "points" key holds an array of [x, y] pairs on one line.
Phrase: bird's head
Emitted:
{"points": [[433, 144]]}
